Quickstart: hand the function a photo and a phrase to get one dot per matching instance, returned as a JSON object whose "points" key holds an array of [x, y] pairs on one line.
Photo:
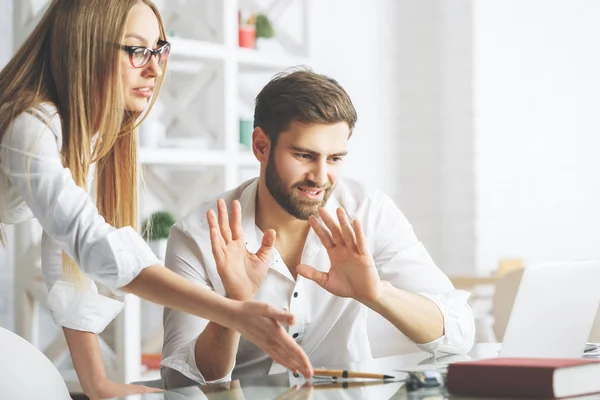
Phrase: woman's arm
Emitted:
{"points": [[87, 359], [258, 322]]}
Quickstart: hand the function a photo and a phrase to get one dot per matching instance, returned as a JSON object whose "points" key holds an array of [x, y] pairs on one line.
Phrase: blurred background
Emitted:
{"points": [[479, 118]]}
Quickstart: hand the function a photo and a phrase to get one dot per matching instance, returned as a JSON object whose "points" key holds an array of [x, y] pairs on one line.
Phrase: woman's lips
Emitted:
{"points": [[145, 91]]}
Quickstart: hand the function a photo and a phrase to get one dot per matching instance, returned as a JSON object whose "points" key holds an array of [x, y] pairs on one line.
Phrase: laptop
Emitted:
{"points": [[554, 311]]}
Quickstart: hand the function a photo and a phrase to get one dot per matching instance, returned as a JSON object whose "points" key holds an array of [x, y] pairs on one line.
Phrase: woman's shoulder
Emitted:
{"points": [[43, 117], [47, 113]]}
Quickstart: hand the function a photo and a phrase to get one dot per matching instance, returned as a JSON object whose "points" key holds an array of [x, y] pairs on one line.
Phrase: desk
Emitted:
{"points": [[281, 386]]}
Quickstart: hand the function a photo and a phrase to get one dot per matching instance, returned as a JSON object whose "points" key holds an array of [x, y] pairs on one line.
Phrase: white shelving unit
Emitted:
{"points": [[209, 83]]}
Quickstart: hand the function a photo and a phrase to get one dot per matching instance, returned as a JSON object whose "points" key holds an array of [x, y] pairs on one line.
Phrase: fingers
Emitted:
{"points": [[347, 231], [146, 389], [216, 238], [321, 232], [361, 241], [259, 324], [289, 354], [280, 316], [320, 278], [224, 220], [236, 220], [333, 227], [268, 241], [217, 245]]}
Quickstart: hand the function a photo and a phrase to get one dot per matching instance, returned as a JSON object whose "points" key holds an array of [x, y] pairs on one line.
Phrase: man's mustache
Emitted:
{"points": [[311, 184]]}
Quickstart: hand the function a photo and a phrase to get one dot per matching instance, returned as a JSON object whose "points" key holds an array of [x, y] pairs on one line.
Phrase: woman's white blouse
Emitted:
{"points": [[35, 184]]}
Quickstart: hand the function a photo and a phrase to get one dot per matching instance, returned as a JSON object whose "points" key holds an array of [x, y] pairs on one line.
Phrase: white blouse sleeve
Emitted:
{"points": [[29, 157], [79, 308]]}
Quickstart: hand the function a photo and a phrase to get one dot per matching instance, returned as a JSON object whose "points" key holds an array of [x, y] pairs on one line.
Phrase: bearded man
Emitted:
{"points": [[306, 240]]}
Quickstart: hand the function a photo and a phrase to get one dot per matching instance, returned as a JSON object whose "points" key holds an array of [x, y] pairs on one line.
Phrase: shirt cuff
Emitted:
{"points": [[459, 326], [131, 254], [184, 362], [81, 308]]}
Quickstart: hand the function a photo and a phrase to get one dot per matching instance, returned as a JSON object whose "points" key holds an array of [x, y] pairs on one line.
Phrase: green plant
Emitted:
{"points": [[158, 225], [264, 28]]}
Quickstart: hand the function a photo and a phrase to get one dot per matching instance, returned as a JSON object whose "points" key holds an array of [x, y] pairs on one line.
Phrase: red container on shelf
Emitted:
{"points": [[247, 36]]}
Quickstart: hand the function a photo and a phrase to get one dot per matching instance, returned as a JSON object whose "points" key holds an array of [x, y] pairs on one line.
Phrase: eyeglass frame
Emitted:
{"points": [[131, 49]]}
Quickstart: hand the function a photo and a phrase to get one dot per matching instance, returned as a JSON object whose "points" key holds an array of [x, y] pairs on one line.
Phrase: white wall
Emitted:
{"points": [[407, 66], [355, 45], [537, 109]]}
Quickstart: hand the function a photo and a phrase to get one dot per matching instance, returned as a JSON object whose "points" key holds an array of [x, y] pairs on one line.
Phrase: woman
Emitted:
{"points": [[71, 99]]}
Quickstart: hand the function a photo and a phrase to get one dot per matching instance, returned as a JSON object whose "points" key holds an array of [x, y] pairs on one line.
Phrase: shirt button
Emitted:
{"points": [[295, 335], [295, 294]]}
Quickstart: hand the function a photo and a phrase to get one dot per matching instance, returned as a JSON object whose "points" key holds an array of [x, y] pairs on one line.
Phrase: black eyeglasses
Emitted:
{"points": [[139, 55]]}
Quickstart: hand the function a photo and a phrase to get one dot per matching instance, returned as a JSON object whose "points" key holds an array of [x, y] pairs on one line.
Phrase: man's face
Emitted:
{"points": [[304, 166]]}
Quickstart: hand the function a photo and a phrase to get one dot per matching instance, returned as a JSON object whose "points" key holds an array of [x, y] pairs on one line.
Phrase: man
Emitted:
{"points": [[360, 252]]}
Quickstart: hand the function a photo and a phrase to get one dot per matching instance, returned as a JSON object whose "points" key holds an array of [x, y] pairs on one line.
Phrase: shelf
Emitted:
{"points": [[186, 157], [185, 52], [254, 59], [190, 48]]}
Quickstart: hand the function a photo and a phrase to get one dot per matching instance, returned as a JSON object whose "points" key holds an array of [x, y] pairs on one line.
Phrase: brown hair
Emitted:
{"points": [[303, 96], [70, 60]]}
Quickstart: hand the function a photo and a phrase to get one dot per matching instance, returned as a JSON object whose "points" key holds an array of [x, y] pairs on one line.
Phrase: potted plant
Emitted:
{"points": [[264, 29], [156, 230]]}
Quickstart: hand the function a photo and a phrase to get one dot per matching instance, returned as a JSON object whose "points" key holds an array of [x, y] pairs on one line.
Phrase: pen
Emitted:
{"points": [[338, 373], [346, 384]]}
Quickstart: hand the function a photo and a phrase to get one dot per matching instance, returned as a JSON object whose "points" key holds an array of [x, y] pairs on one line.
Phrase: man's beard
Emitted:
{"points": [[288, 199]]}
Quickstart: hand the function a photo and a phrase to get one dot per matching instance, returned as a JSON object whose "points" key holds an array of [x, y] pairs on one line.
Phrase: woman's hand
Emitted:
{"points": [[108, 389], [261, 324]]}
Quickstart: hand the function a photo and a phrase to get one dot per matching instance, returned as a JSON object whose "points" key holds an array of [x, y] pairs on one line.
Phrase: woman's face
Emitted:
{"points": [[141, 29]]}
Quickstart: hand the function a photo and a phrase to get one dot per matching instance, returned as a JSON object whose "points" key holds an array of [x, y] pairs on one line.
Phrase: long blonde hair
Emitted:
{"points": [[71, 60]]}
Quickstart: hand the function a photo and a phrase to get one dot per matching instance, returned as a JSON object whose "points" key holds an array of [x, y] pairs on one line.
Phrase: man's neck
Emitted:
{"points": [[270, 215]]}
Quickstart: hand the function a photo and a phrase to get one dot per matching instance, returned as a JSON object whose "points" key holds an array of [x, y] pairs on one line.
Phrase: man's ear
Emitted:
{"points": [[261, 145]]}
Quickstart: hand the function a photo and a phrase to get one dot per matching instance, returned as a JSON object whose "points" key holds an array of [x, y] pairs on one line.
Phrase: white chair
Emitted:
{"points": [[26, 373]]}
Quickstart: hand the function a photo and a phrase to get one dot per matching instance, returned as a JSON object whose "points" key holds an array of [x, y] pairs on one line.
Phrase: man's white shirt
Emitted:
{"points": [[331, 329]]}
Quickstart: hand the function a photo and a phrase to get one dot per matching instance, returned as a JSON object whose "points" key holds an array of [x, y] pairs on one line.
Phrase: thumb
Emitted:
{"points": [[268, 241], [320, 278]]}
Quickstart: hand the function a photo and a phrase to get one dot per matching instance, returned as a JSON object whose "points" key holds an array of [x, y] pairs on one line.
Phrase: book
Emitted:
{"points": [[524, 377]]}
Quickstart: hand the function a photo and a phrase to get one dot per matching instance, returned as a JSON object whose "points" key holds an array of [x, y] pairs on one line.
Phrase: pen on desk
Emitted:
{"points": [[347, 384], [339, 373]]}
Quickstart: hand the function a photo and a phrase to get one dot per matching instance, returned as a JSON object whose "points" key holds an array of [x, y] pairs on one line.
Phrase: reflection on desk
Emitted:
{"points": [[288, 387]]}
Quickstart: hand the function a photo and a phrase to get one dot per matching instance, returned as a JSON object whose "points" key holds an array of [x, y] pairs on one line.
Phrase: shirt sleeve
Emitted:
{"points": [[80, 308], [181, 329], [402, 260], [31, 160]]}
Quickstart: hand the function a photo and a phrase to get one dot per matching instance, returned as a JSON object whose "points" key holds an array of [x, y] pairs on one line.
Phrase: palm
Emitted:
{"points": [[242, 272], [352, 272]]}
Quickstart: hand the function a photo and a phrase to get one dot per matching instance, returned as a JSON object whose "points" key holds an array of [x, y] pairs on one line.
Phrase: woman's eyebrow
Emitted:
{"points": [[138, 37]]}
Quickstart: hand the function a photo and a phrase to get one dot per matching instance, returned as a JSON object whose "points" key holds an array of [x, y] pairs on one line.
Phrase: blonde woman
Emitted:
{"points": [[70, 100]]}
